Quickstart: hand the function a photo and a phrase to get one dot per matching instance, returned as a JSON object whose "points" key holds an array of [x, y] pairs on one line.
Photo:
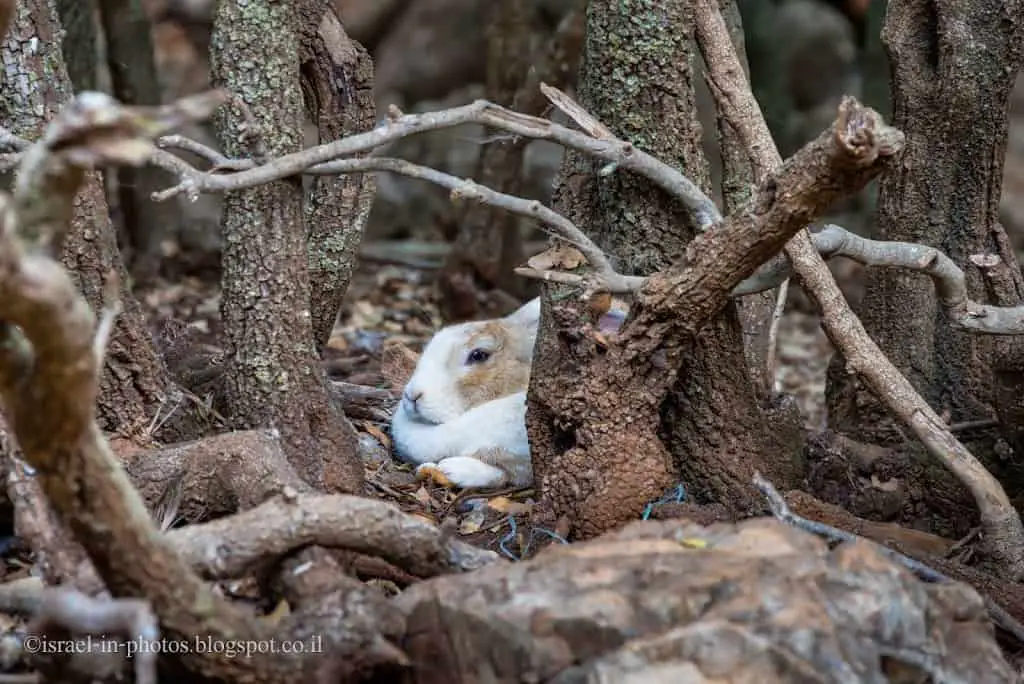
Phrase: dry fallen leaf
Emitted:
{"points": [[559, 257], [377, 434], [503, 504], [472, 522], [397, 363], [434, 475], [281, 611], [599, 303]]}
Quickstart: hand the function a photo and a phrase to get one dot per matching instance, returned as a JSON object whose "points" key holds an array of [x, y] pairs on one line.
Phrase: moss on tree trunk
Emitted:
{"points": [[273, 376], [337, 81]]}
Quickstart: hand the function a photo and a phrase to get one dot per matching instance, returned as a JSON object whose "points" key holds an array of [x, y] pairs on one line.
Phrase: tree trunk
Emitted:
{"points": [[337, 81], [711, 422], [489, 240], [954, 64], [756, 311], [273, 375], [135, 382], [127, 32], [80, 44]]}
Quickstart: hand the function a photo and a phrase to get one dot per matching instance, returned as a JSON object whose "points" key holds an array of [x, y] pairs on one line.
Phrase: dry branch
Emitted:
{"points": [[62, 610], [949, 279], [234, 546], [618, 153], [48, 382], [643, 360], [1004, 534]]}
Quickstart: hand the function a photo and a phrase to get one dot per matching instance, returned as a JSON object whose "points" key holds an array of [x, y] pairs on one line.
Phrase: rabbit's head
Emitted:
{"points": [[468, 364]]}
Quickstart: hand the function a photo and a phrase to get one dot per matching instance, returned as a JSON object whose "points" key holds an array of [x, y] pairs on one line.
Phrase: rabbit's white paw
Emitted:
{"points": [[463, 472]]}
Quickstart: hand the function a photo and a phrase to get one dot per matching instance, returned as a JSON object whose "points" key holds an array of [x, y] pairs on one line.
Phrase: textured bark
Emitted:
{"points": [[337, 81], [126, 29], [636, 79], [954, 64], [135, 382], [273, 375]]}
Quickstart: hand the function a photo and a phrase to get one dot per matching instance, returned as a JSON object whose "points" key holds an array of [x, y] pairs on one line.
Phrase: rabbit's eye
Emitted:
{"points": [[477, 356]]}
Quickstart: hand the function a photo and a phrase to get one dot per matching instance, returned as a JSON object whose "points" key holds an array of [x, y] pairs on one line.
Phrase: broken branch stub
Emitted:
{"points": [[842, 160], [643, 360]]}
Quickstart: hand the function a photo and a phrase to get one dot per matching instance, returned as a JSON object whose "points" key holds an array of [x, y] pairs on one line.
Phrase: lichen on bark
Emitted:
{"points": [[272, 377], [337, 81]]}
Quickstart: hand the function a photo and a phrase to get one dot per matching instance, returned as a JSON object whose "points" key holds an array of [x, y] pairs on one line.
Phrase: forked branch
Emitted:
{"points": [[1004, 534]]}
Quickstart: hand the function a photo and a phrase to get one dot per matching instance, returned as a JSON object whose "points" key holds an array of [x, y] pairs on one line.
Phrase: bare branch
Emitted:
{"points": [[950, 281], [1004, 532], [68, 610], [51, 405], [230, 547], [468, 189], [111, 308], [218, 160], [619, 153]]}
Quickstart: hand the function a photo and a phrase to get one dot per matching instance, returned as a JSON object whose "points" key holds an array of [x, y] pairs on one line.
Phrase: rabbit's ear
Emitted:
{"points": [[526, 316]]}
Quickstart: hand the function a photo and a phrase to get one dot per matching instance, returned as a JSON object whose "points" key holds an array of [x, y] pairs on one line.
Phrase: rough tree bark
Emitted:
{"points": [[636, 79], [954, 64], [337, 81], [273, 377], [127, 33], [135, 382]]}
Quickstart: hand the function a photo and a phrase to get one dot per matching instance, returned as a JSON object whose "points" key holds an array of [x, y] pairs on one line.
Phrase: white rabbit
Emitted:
{"points": [[463, 412]]}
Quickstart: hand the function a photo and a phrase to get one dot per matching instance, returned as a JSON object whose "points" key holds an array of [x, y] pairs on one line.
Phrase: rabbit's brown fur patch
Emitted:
{"points": [[504, 373]]}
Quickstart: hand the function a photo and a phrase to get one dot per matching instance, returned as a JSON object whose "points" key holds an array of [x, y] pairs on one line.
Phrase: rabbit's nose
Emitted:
{"points": [[413, 397]]}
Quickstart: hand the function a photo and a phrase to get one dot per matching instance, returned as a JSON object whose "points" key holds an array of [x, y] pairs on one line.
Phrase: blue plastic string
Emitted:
{"points": [[529, 542], [676, 495]]}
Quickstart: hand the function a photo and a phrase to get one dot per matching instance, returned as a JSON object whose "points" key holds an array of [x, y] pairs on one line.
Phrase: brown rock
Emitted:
{"points": [[676, 602]]}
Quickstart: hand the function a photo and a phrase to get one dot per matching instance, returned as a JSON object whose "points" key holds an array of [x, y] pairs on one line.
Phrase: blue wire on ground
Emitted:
{"points": [[529, 542], [509, 537], [676, 495]]}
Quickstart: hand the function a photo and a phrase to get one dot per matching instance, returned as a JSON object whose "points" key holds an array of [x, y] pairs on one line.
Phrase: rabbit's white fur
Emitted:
{"points": [[465, 417]]}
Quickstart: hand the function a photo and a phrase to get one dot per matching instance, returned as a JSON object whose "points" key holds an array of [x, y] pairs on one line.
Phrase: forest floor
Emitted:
{"points": [[399, 303]]}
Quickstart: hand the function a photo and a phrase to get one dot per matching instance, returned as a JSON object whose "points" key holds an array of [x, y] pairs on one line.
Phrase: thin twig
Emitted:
{"points": [[468, 189], [111, 309]]}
